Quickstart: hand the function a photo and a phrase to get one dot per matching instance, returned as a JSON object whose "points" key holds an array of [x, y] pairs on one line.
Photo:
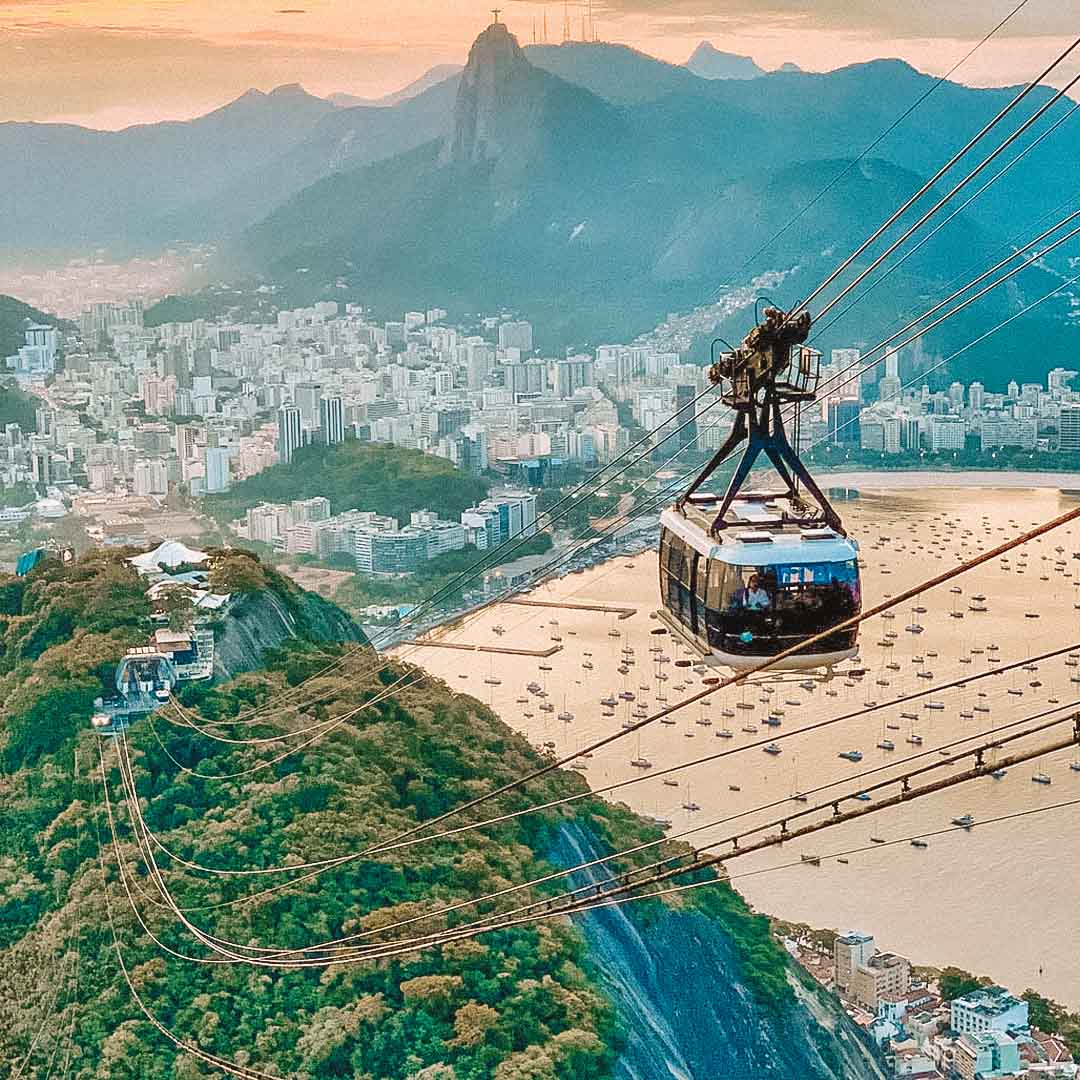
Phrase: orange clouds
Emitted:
{"points": [[110, 62]]}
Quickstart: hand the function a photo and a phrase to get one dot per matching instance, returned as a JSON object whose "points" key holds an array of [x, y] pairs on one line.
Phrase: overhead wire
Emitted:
{"points": [[347, 857], [429, 822], [881, 137], [892, 268], [892, 247], [287, 958], [893, 601], [929, 184], [861, 364]]}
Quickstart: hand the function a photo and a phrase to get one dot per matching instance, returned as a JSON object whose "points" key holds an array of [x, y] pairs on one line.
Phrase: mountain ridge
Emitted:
{"points": [[708, 62], [599, 218]]}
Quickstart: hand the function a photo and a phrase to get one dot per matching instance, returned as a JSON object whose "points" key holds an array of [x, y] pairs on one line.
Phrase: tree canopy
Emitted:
{"points": [[358, 476]]}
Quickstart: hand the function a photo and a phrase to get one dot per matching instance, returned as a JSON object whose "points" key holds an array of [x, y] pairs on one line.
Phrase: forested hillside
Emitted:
{"points": [[358, 476], [518, 1004]]}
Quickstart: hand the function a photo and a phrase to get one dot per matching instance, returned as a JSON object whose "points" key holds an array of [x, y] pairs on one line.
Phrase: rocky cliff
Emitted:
{"points": [[686, 1009], [265, 619]]}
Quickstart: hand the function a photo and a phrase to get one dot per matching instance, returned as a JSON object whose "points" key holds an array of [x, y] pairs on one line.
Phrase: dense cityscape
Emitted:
{"points": [[933, 1024], [129, 415]]}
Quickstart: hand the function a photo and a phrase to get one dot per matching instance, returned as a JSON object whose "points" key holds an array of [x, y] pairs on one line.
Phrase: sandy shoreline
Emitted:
{"points": [[882, 480]]}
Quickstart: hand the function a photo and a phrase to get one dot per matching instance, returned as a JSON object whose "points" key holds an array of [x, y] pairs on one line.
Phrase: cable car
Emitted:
{"points": [[746, 576]]}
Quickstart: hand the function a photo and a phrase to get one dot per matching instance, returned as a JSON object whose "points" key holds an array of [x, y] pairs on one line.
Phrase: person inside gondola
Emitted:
{"points": [[755, 596]]}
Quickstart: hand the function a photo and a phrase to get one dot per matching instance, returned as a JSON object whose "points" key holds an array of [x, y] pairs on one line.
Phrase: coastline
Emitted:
{"points": [[901, 479]]}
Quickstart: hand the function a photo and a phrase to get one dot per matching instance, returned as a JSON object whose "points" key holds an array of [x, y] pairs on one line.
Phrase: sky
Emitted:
{"points": [[110, 63]]}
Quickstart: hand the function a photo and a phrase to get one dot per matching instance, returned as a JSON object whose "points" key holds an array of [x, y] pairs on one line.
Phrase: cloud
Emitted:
{"points": [[108, 76], [889, 19]]}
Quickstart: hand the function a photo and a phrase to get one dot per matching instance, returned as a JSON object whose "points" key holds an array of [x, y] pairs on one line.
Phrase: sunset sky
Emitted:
{"points": [[109, 63]]}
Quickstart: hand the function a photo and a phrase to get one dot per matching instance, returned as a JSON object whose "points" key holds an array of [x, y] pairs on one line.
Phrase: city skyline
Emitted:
{"points": [[109, 64]]}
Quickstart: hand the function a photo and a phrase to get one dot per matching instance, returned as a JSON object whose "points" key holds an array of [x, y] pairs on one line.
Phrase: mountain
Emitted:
{"points": [[616, 73], [65, 187], [531, 158], [598, 218], [432, 77], [341, 140], [92, 963], [709, 63]]}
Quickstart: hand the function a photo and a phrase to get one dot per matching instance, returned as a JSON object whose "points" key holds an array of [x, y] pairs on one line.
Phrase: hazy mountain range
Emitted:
{"points": [[589, 185]]}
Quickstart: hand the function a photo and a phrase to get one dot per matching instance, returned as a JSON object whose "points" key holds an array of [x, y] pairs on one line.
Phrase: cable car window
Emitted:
{"points": [[747, 588], [686, 569], [716, 585], [701, 584], [804, 592]]}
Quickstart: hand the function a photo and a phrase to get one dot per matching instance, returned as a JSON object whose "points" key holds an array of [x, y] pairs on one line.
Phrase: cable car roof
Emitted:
{"points": [[761, 541]]}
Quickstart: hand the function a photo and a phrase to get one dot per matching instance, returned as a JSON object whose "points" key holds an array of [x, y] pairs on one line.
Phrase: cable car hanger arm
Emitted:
{"points": [[760, 376]]}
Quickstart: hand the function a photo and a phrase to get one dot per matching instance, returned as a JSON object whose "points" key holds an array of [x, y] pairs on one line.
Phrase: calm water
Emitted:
{"points": [[999, 900]]}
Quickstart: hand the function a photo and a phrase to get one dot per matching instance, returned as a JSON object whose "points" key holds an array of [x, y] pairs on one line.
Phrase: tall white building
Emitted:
{"points": [[945, 433], [332, 419], [217, 469], [306, 398], [266, 522], [151, 477], [1069, 428], [37, 357], [290, 433], [516, 335]]}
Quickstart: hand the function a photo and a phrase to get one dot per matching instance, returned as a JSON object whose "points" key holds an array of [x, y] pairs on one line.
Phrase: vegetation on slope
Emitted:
{"points": [[62, 630], [16, 405], [518, 1004], [358, 476], [14, 315]]}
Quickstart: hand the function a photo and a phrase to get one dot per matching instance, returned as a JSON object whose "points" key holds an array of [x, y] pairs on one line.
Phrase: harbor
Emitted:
{"points": [[612, 672]]}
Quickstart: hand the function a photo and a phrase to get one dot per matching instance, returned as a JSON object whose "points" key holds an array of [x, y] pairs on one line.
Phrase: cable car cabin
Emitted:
{"points": [[761, 585]]}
